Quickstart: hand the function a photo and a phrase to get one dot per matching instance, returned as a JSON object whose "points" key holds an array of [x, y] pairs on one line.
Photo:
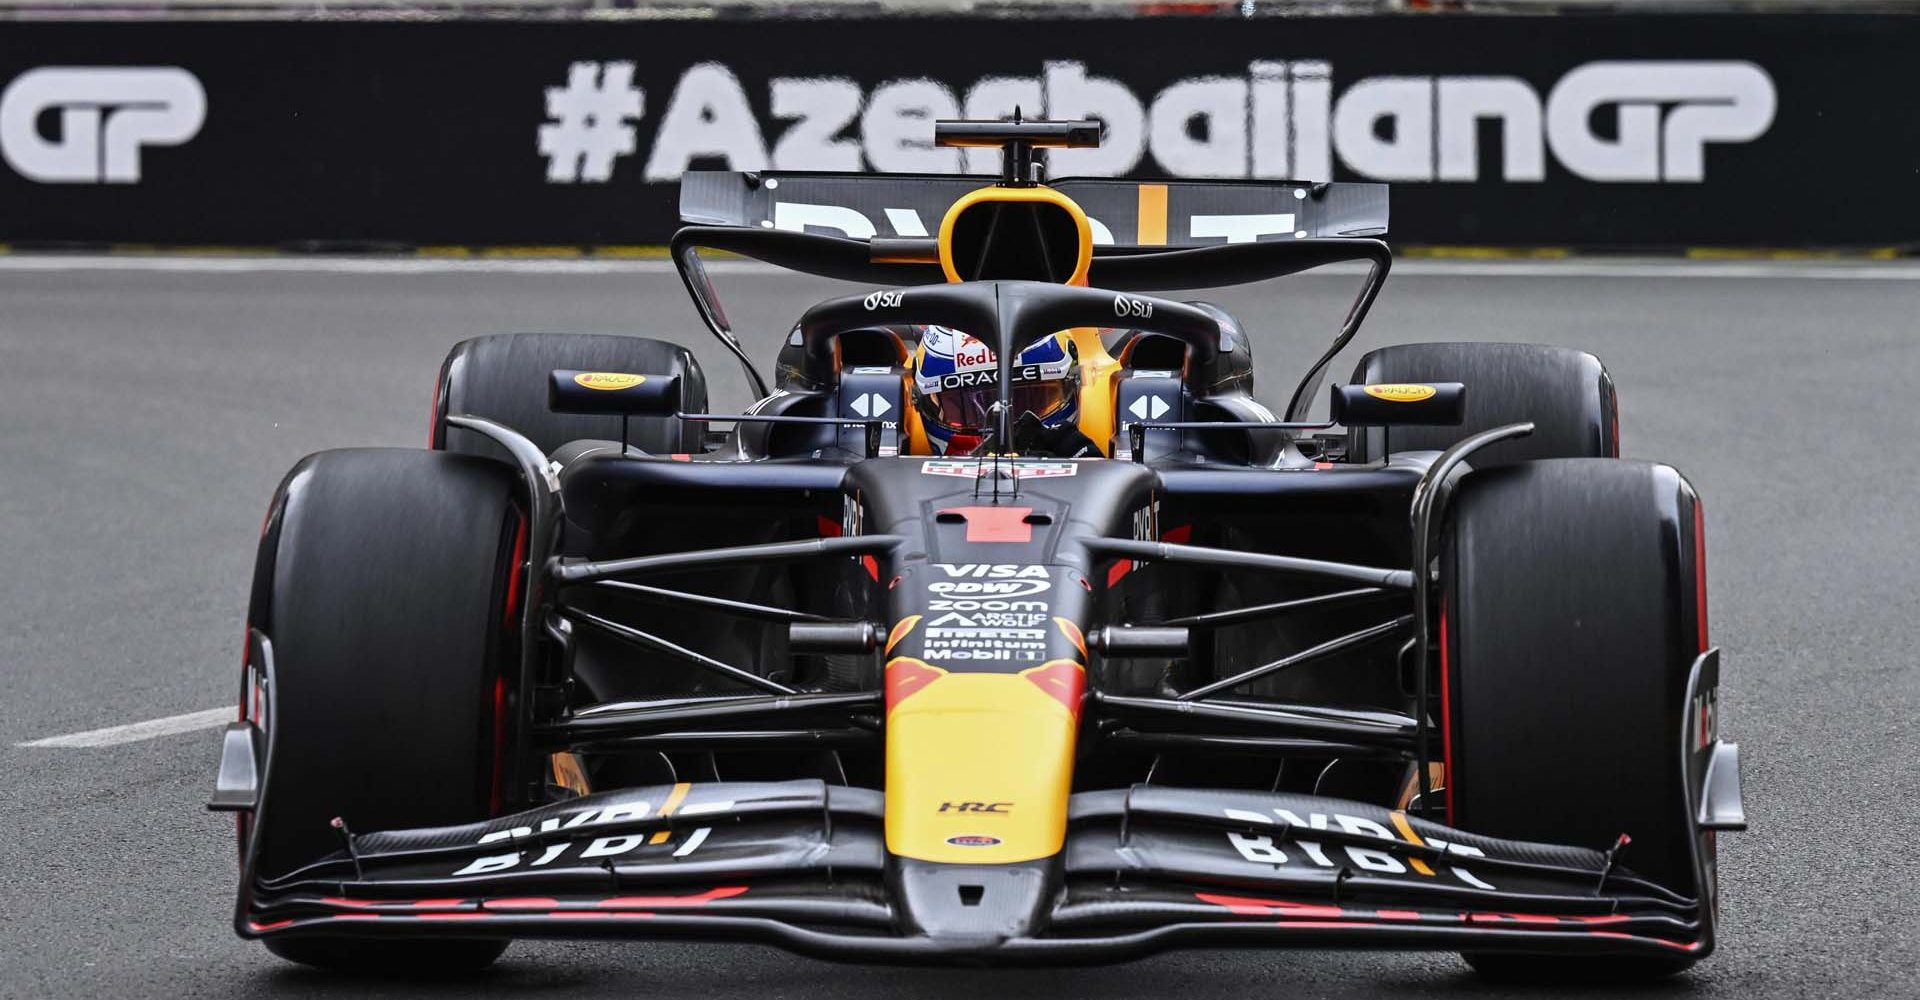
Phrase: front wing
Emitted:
{"points": [[804, 866]]}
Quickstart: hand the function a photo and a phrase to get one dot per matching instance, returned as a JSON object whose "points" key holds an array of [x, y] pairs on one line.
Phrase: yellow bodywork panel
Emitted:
{"points": [[1097, 369], [1020, 195], [979, 766]]}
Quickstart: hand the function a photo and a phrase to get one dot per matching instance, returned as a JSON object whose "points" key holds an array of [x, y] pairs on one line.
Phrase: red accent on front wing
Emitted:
{"points": [[661, 902], [1688, 946], [612, 907], [1520, 918], [527, 913], [1321, 915], [411, 904], [486, 907], [1249, 907], [557, 915]]}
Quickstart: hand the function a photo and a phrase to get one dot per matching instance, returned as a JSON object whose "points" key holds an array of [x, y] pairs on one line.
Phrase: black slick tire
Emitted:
{"points": [[385, 582], [1566, 393], [503, 377], [1572, 611]]}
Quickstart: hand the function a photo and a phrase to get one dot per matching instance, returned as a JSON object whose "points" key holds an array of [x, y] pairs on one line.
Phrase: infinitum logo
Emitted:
{"points": [[105, 115], [1608, 121]]}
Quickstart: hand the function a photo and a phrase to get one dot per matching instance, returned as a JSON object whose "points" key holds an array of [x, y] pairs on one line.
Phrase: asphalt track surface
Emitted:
{"points": [[146, 415]]}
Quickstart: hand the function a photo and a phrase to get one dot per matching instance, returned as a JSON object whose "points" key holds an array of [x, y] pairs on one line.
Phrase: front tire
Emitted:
{"points": [[386, 583], [1572, 611]]}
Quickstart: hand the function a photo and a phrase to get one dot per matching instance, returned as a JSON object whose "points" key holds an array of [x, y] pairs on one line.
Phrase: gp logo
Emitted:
{"points": [[103, 117]]}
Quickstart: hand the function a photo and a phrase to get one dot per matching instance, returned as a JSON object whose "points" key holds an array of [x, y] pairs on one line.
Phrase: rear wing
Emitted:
{"points": [[1125, 215]]}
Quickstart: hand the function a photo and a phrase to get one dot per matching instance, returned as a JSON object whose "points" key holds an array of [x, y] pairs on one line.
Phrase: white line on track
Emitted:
{"points": [[137, 731], [1842, 270]]}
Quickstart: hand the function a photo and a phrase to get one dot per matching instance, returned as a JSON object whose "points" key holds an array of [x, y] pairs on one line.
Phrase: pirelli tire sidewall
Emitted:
{"points": [[1573, 609], [384, 582]]}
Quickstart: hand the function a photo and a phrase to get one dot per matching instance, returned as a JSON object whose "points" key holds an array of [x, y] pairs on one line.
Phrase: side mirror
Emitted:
{"points": [[1400, 404], [619, 393]]}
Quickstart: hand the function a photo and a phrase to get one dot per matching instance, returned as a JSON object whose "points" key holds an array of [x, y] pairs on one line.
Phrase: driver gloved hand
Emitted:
{"points": [[1031, 437]]}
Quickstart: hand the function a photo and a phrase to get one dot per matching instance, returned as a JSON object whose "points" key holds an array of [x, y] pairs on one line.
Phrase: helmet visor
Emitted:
{"points": [[971, 408]]}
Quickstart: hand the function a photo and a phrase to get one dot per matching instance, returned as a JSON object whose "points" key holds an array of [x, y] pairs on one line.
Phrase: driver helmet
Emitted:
{"points": [[956, 381]]}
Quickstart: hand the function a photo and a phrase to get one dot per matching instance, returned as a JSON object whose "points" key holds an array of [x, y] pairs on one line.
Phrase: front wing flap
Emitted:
{"points": [[803, 865]]}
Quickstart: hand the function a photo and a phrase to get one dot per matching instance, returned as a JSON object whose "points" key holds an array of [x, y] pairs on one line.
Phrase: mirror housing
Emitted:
{"points": [[622, 393], [1400, 404]]}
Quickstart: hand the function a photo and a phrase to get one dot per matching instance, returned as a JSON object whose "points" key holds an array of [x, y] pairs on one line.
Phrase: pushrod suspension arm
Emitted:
{"points": [[574, 571], [1282, 746], [1327, 648], [745, 609], [1197, 555], [1318, 602], [647, 640], [617, 721], [1274, 719]]}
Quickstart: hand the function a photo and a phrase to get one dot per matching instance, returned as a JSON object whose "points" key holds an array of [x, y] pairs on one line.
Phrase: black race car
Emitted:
{"points": [[1430, 673]]}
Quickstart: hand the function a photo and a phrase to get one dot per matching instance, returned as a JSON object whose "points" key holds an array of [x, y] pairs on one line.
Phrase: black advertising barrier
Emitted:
{"points": [[1604, 131]]}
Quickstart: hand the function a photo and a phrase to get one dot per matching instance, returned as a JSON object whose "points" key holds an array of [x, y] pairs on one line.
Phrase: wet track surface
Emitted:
{"points": [[146, 415]]}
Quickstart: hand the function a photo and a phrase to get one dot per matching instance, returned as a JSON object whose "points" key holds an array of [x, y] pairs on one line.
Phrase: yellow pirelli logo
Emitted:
{"points": [[608, 381], [1401, 392]]}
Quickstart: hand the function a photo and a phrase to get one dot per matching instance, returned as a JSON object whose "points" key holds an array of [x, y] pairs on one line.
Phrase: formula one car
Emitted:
{"points": [[1006, 626]]}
